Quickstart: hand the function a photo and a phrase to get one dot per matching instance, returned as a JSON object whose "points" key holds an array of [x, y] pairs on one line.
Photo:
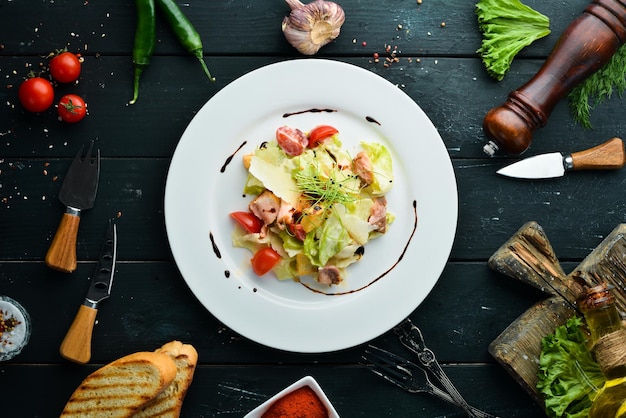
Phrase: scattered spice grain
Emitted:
{"points": [[300, 403]]}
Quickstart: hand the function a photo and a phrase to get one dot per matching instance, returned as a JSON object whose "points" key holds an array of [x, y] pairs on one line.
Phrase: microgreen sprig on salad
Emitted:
{"points": [[315, 205]]}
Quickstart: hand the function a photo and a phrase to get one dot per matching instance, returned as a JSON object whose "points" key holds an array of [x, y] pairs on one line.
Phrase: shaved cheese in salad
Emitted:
{"points": [[315, 205]]}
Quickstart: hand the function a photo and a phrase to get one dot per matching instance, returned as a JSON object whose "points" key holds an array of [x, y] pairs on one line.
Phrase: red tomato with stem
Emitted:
{"points": [[264, 260], [36, 94], [65, 67], [248, 221], [320, 133], [72, 108]]}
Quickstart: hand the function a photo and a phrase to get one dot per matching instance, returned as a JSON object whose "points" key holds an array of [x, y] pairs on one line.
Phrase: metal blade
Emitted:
{"points": [[80, 185], [543, 166], [102, 280]]}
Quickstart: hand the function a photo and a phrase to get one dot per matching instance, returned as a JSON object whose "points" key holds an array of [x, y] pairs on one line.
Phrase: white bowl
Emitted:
{"points": [[305, 381]]}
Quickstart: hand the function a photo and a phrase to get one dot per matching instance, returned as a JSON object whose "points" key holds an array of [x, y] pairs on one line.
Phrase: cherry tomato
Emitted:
{"points": [[264, 260], [248, 221], [72, 108], [320, 133], [36, 94], [65, 67], [297, 230]]}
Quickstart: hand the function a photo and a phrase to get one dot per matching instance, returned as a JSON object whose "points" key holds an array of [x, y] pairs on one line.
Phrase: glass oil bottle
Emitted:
{"points": [[608, 337]]}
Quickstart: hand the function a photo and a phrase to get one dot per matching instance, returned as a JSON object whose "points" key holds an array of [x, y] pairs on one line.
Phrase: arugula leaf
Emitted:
{"points": [[507, 27], [568, 374]]}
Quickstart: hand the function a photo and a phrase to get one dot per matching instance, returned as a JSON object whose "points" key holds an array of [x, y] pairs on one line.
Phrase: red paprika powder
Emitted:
{"points": [[300, 403]]}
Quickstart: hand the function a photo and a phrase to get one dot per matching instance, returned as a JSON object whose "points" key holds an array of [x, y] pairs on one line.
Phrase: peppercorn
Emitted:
{"points": [[7, 324]]}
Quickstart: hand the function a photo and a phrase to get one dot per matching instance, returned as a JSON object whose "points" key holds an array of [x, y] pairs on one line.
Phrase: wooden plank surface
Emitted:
{"points": [[438, 68]]}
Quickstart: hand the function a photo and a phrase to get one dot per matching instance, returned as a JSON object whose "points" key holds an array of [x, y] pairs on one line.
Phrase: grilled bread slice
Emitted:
{"points": [[168, 403], [122, 387]]}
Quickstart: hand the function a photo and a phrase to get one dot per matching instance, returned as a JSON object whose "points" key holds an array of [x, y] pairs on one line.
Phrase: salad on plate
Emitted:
{"points": [[315, 204]]}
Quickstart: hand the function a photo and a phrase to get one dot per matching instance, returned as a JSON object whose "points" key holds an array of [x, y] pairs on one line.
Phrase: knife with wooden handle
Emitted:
{"points": [[76, 345], [607, 156]]}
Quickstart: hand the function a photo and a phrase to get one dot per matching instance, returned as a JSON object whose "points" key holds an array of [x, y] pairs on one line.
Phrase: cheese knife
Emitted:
{"points": [[78, 193], [76, 345], [607, 156]]}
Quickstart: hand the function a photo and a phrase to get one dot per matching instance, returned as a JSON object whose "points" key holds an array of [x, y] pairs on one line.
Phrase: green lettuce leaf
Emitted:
{"points": [[382, 166], [321, 244], [507, 26], [568, 374]]}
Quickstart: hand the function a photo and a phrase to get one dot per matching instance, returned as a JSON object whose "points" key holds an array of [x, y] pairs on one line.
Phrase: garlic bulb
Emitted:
{"points": [[311, 26]]}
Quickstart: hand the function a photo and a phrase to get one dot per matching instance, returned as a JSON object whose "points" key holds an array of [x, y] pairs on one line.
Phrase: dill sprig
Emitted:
{"points": [[328, 189], [598, 87]]}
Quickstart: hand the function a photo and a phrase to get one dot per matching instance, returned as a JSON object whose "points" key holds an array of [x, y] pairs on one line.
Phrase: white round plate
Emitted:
{"points": [[205, 183]]}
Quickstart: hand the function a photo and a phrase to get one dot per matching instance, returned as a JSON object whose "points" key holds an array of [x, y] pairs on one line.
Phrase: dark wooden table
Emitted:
{"points": [[151, 304]]}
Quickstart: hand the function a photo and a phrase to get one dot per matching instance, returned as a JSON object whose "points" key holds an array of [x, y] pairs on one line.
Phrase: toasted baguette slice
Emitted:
{"points": [[169, 402], [121, 387]]}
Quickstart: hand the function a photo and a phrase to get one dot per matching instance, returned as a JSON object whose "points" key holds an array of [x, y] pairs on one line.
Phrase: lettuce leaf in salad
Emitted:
{"points": [[291, 245], [321, 244], [568, 374], [251, 242], [346, 256], [382, 167]]}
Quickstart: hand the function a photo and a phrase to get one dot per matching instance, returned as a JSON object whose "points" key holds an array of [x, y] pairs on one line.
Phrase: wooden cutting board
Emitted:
{"points": [[528, 256]]}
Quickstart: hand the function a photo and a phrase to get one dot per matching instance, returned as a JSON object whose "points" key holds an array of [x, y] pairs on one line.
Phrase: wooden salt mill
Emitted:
{"points": [[587, 44]]}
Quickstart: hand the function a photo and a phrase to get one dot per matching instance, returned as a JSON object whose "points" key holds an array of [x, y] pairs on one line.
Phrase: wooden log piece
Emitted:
{"points": [[518, 348], [528, 256]]}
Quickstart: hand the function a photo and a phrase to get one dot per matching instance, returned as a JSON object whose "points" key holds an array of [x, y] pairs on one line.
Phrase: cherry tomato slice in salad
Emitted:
{"points": [[72, 108], [248, 221], [36, 94], [297, 230], [264, 260], [320, 133], [65, 67]]}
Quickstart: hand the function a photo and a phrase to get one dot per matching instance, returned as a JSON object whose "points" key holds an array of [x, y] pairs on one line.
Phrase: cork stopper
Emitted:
{"points": [[596, 297]]}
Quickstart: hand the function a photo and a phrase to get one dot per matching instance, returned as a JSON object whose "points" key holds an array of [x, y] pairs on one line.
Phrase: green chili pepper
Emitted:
{"points": [[145, 39], [184, 31]]}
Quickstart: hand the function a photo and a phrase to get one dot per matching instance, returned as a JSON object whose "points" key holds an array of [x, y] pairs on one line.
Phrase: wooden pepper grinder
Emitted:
{"points": [[587, 44]]}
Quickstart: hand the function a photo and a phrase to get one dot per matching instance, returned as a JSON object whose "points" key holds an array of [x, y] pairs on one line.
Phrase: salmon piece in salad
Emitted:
{"points": [[265, 207], [362, 167]]}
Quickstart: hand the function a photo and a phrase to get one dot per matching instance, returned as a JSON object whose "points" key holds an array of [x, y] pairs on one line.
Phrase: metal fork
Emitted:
{"points": [[411, 337], [409, 376]]}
